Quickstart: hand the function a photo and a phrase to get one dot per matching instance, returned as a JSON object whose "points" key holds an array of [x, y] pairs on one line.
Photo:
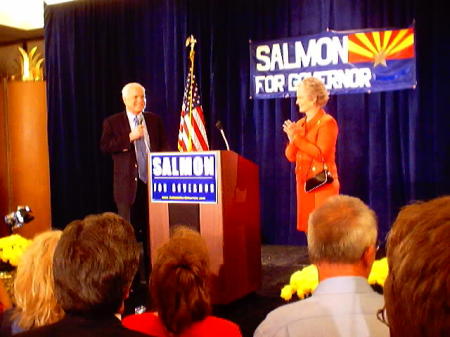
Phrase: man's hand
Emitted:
{"points": [[136, 133]]}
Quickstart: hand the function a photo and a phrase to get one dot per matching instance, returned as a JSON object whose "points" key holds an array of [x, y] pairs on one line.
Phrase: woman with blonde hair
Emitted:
{"points": [[35, 303], [312, 147], [179, 287]]}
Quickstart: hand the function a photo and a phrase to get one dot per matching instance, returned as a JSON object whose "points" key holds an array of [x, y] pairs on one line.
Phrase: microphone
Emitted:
{"points": [[140, 120], [220, 127]]}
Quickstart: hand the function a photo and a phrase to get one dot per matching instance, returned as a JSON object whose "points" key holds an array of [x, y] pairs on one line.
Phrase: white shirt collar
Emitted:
{"points": [[131, 117]]}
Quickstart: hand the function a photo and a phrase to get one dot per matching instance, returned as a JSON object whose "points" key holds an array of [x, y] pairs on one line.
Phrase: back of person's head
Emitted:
{"points": [[94, 264], [33, 285], [417, 289], [180, 280], [340, 230]]}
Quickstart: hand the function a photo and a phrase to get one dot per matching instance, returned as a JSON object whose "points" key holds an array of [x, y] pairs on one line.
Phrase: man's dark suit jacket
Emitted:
{"points": [[77, 326], [116, 141]]}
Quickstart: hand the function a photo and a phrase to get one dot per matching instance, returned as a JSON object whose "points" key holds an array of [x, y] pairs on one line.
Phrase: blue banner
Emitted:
{"points": [[347, 62], [183, 177]]}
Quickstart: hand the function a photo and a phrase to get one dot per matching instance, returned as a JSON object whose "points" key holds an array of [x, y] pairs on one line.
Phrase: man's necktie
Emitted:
{"points": [[141, 154]]}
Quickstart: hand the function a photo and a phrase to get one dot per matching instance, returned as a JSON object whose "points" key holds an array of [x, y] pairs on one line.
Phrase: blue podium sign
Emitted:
{"points": [[183, 177]]}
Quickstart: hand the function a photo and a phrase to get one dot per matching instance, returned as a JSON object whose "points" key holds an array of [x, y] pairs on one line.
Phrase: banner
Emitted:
{"points": [[183, 177], [347, 62]]}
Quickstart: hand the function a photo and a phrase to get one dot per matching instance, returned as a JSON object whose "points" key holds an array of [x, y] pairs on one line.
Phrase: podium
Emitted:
{"points": [[230, 227]]}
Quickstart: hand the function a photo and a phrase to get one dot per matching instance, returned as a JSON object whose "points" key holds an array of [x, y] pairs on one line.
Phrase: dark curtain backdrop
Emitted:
{"points": [[393, 147]]}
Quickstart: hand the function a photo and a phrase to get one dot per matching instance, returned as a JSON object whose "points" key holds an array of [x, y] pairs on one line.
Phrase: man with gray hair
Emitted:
{"points": [[342, 236], [128, 137]]}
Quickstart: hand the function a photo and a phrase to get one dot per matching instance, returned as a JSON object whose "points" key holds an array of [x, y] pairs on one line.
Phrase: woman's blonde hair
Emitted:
{"points": [[315, 88], [33, 285]]}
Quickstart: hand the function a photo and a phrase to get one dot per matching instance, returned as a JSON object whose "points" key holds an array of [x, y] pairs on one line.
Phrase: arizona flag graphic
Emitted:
{"points": [[380, 46]]}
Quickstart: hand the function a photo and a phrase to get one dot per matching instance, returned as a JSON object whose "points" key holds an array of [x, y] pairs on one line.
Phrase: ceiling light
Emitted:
{"points": [[24, 14], [53, 2]]}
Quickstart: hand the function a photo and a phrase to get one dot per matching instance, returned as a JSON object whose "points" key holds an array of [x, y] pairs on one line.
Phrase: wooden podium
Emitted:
{"points": [[231, 228]]}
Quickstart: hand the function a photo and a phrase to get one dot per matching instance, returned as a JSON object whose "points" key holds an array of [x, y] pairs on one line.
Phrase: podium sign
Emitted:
{"points": [[184, 177]]}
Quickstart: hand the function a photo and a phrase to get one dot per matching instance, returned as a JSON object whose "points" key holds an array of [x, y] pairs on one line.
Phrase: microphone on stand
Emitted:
{"points": [[220, 127]]}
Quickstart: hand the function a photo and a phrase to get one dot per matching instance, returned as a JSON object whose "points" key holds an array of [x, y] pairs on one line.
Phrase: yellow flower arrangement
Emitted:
{"points": [[12, 248], [305, 281], [379, 272]]}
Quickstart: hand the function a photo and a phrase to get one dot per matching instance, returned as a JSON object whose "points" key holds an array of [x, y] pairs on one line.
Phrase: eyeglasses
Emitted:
{"points": [[381, 316]]}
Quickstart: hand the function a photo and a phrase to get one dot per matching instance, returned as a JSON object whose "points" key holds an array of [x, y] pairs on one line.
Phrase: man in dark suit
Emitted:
{"points": [[129, 136], [94, 263], [122, 135]]}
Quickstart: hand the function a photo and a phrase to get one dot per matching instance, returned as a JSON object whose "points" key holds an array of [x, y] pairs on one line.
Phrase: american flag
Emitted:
{"points": [[192, 133]]}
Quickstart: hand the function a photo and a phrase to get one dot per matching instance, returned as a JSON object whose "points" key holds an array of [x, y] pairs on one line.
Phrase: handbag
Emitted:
{"points": [[320, 179]]}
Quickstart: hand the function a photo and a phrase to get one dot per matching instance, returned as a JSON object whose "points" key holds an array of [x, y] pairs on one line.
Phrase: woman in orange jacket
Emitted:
{"points": [[312, 144]]}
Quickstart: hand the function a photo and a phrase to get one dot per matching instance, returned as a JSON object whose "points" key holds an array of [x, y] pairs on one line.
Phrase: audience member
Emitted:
{"points": [[417, 289], [35, 302], [179, 287], [93, 266], [342, 236]]}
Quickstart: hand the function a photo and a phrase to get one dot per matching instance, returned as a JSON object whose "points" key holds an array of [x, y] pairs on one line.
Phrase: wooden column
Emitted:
{"points": [[4, 207], [27, 180]]}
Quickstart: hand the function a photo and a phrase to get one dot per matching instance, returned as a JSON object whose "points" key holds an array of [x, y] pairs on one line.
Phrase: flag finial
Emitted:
{"points": [[191, 41]]}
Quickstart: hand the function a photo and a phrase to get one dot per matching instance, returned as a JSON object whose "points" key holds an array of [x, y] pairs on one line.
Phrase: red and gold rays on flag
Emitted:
{"points": [[377, 47], [192, 133]]}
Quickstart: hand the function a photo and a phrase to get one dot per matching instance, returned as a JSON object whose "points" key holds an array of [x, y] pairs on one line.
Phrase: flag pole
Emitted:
{"points": [[191, 41]]}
